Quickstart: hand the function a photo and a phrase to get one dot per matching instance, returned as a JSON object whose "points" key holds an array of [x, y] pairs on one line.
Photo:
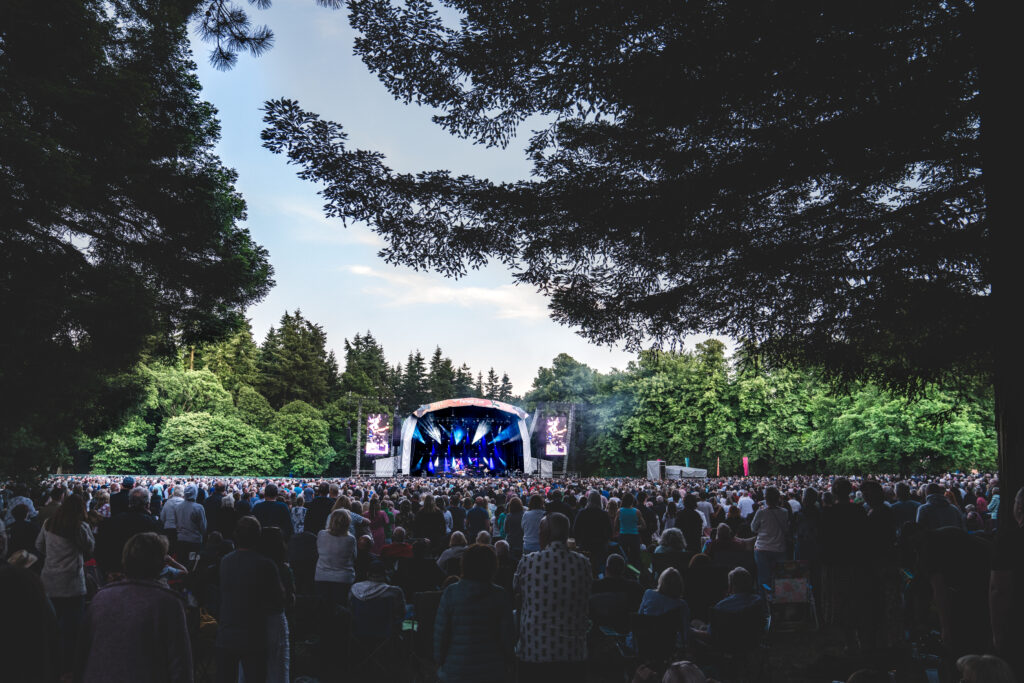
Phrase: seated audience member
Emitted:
{"points": [[456, 546], [615, 581], [135, 629], [984, 669], [684, 672], [473, 632], [671, 541], [398, 548], [420, 574], [742, 602], [726, 541], [376, 587], [250, 590], [668, 597]]}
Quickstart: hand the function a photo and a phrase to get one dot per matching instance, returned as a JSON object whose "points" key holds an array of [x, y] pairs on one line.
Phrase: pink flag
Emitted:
{"points": [[746, 466], [718, 467]]}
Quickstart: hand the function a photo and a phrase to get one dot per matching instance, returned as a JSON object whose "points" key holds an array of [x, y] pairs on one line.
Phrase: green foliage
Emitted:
{"points": [[295, 364], [252, 408], [122, 450], [235, 360], [201, 443], [305, 435], [122, 229], [175, 391]]}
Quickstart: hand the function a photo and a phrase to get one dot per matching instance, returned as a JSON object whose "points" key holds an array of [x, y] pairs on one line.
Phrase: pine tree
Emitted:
{"points": [[478, 388], [492, 386], [294, 363], [464, 381], [441, 377], [505, 388], [414, 383]]}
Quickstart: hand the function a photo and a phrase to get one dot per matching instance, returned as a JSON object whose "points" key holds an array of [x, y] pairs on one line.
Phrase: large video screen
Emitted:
{"points": [[557, 430], [378, 435]]}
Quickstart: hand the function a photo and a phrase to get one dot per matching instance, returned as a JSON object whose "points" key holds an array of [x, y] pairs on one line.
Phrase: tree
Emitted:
{"points": [[505, 388], [440, 377], [175, 391], [478, 388], [235, 360], [205, 444], [295, 364], [366, 369], [253, 408], [304, 433], [114, 208], [491, 386], [414, 383], [463, 382], [125, 449], [806, 177]]}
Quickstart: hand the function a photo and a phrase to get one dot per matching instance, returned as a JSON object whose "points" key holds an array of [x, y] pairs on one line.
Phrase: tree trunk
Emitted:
{"points": [[1001, 168]]}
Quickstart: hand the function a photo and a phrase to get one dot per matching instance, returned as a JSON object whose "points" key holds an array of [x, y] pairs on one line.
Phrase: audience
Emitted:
{"points": [[890, 559]]}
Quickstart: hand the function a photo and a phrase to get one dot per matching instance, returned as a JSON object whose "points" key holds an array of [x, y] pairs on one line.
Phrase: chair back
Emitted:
{"points": [[610, 610], [678, 559], [373, 619], [791, 583], [737, 632], [453, 567], [425, 606], [655, 636], [704, 586], [730, 559]]}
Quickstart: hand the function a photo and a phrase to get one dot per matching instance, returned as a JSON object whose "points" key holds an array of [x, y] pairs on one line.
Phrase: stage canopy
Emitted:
{"points": [[466, 434]]}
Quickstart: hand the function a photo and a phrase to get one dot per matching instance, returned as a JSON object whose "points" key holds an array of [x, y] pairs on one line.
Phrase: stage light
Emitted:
{"points": [[481, 431], [458, 434]]}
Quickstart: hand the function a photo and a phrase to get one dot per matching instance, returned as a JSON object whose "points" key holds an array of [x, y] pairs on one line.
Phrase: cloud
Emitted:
{"points": [[398, 288], [308, 224]]}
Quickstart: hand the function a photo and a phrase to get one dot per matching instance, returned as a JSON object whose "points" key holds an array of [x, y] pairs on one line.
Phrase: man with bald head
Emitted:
{"points": [[554, 584]]}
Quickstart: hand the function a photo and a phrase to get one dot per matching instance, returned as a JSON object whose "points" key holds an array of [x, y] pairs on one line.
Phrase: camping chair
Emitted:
{"points": [[425, 614], [791, 600], [704, 587], [654, 639], [662, 561], [377, 638], [738, 642]]}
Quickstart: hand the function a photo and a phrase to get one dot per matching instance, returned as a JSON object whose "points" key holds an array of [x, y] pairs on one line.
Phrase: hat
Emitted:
{"points": [[128, 481], [22, 559], [191, 492]]}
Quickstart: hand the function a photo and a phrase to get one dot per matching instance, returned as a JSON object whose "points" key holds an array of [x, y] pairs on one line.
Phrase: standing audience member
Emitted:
{"points": [[531, 524], [336, 561], [119, 500], [115, 532], [250, 590], [473, 632], [272, 512], [190, 522], [593, 530], [135, 629], [29, 634], [554, 584], [64, 541], [514, 528], [771, 524], [1006, 587], [627, 527]]}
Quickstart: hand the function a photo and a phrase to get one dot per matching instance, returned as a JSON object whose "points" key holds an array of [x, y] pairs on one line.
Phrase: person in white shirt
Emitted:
{"points": [[745, 504]]}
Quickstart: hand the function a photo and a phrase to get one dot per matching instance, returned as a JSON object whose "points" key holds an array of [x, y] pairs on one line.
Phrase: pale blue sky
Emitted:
{"points": [[333, 273]]}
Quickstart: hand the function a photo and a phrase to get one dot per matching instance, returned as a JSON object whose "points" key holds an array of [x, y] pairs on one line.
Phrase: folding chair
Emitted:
{"points": [[662, 561], [377, 637], [738, 642], [654, 639], [791, 600], [425, 615]]}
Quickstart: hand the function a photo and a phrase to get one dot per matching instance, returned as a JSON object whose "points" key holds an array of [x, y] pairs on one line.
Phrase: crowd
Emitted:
{"points": [[110, 578]]}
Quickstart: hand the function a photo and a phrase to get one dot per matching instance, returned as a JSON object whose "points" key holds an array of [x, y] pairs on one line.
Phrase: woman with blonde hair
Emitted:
{"points": [[335, 566], [668, 597]]}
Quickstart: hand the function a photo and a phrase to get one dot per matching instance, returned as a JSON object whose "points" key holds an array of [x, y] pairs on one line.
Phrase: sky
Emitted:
{"points": [[332, 272]]}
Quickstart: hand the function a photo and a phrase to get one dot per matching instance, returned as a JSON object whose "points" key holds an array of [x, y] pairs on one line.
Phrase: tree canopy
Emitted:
{"points": [[121, 229]]}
